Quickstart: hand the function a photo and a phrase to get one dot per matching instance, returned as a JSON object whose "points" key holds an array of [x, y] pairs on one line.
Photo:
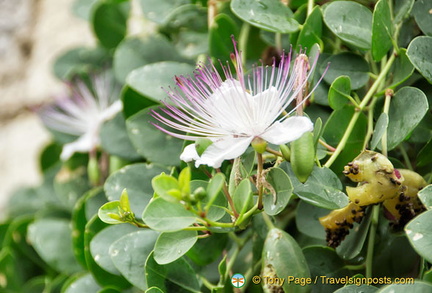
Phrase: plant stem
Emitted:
{"points": [[371, 241], [369, 95], [389, 94], [310, 6], [243, 39], [260, 186]]}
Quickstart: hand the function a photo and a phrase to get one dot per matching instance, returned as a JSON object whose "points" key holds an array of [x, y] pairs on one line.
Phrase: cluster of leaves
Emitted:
{"points": [[192, 228]]}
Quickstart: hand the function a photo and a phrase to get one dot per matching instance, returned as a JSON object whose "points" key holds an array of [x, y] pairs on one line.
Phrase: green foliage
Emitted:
{"points": [[150, 222]]}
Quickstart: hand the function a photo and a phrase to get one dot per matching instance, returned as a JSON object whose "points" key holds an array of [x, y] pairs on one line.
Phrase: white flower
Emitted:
{"points": [[82, 114], [233, 112]]}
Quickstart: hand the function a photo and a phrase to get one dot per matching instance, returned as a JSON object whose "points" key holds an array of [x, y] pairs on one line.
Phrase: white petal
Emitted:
{"points": [[224, 149], [289, 130], [82, 145], [111, 111], [189, 153]]}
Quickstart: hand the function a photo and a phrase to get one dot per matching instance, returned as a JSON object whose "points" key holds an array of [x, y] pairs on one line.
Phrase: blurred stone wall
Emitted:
{"points": [[32, 34]]}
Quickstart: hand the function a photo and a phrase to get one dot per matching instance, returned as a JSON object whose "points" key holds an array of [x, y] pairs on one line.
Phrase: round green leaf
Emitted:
{"points": [[382, 30], [84, 284], [52, 240], [155, 145], [129, 254], [425, 196], [420, 234], [115, 141], [417, 287], [109, 22], [339, 92], [149, 79], [380, 128], [420, 54], [79, 60], [165, 216], [173, 245], [159, 11], [242, 197], [100, 245], [108, 208], [136, 179], [422, 14], [408, 107], [177, 276], [349, 64], [281, 183], [135, 52], [284, 257], [266, 14], [350, 21], [401, 69], [307, 222]]}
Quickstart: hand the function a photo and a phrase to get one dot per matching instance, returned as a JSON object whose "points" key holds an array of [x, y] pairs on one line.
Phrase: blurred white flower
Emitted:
{"points": [[82, 113], [233, 112]]}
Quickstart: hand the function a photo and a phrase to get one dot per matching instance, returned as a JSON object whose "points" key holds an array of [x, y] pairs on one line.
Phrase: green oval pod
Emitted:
{"points": [[303, 156], [286, 152]]}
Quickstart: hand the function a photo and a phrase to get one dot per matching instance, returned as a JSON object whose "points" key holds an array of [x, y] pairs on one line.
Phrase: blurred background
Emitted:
{"points": [[32, 34]]}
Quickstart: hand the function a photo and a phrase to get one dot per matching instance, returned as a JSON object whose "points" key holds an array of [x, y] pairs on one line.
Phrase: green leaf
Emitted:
{"points": [[422, 14], [353, 243], [408, 107], [83, 8], [177, 276], [266, 14], [109, 20], [420, 54], [323, 261], [401, 69], [164, 185], [115, 141], [208, 250], [154, 290], [79, 60], [380, 129], [214, 187], [322, 189], [349, 64], [220, 33], [307, 222], [334, 130], [242, 197], [357, 289], [159, 11], [101, 242], [143, 79], [281, 183], [425, 196], [109, 213], [165, 216], [284, 257], [339, 92], [136, 179], [70, 185], [420, 234], [52, 240], [402, 10], [103, 277], [311, 31], [382, 30], [133, 53], [417, 287], [351, 22], [173, 245], [83, 284], [129, 254], [155, 145]]}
